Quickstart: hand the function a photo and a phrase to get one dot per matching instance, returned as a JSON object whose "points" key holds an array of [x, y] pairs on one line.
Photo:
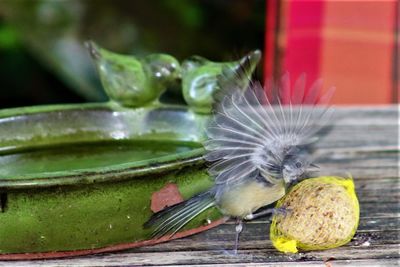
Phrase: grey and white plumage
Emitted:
{"points": [[250, 136], [256, 148]]}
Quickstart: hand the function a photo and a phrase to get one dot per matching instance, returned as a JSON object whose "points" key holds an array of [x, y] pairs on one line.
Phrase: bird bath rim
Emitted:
{"points": [[84, 123]]}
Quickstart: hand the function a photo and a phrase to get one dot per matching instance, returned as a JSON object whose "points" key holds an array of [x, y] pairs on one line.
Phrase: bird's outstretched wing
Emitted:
{"points": [[249, 133]]}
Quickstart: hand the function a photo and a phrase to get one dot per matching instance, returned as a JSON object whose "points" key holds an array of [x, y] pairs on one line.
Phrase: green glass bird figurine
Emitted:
{"points": [[200, 78], [133, 82]]}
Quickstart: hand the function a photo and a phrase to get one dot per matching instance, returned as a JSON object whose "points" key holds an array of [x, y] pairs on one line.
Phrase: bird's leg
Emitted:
{"points": [[239, 228], [252, 216]]}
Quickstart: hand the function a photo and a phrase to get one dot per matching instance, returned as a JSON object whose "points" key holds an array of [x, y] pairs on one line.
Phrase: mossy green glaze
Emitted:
{"points": [[93, 201], [90, 216]]}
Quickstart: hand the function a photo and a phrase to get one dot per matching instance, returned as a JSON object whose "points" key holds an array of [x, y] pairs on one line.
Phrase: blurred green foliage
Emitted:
{"points": [[43, 60], [8, 37]]}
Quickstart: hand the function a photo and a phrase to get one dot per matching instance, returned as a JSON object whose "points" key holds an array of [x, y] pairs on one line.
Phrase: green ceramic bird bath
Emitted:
{"points": [[80, 179]]}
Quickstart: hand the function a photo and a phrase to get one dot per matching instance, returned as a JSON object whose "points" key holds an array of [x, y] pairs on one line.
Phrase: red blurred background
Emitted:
{"points": [[350, 44]]}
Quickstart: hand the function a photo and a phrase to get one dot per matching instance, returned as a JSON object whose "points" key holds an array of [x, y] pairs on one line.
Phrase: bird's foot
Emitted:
{"points": [[281, 211]]}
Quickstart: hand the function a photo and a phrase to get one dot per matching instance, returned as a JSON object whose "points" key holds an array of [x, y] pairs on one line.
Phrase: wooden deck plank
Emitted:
{"points": [[221, 257]]}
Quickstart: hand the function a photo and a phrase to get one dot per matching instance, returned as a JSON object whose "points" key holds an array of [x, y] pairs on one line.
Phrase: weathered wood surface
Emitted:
{"points": [[364, 142]]}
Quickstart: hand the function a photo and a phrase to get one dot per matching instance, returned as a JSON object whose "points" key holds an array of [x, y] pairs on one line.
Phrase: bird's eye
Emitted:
{"points": [[298, 164]]}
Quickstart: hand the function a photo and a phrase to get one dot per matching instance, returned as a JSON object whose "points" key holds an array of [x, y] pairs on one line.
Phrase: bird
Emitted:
{"points": [[131, 81], [200, 78], [257, 146]]}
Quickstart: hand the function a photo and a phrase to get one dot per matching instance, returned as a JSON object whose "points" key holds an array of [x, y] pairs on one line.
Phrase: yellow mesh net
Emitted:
{"points": [[323, 213]]}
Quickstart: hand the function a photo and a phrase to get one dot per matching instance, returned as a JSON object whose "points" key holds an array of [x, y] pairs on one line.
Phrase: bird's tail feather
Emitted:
{"points": [[173, 218]]}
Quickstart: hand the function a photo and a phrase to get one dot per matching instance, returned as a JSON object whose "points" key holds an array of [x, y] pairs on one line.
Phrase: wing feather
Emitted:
{"points": [[252, 132]]}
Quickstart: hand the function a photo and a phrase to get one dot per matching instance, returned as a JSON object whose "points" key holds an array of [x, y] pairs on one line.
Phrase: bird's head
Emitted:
{"points": [[296, 166], [163, 68]]}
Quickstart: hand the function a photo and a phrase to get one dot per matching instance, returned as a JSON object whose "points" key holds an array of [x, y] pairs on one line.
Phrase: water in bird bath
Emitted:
{"points": [[85, 156]]}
